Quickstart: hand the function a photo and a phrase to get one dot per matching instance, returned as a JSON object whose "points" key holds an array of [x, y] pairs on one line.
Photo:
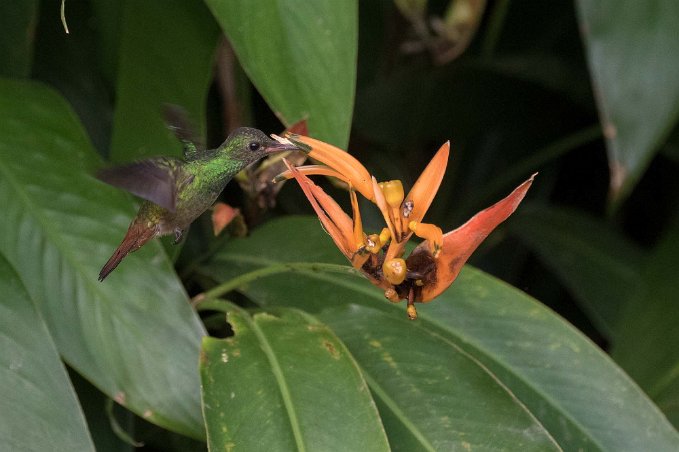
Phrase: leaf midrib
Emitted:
{"points": [[36, 212], [457, 335], [482, 350], [77, 271], [282, 385], [396, 410]]}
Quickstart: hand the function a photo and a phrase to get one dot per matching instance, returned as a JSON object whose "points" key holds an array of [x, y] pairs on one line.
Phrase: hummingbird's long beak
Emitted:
{"points": [[286, 144]]}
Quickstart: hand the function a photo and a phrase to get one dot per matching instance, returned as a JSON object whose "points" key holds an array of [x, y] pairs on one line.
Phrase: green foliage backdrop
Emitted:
{"points": [[300, 353]]}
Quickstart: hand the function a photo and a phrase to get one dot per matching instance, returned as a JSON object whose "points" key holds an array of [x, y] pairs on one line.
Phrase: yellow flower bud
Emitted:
{"points": [[393, 192], [373, 243], [395, 270], [412, 312]]}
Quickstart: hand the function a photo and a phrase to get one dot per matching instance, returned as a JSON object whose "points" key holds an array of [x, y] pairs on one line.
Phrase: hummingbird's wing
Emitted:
{"points": [[177, 120], [155, 179]]}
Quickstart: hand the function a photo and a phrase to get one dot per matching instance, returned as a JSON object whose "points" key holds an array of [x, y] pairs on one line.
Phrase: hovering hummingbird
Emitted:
{"points": [[177, 191]]}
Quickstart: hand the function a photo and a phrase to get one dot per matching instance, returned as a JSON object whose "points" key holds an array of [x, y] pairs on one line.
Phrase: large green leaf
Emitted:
{"points": [[648, 350], [285, 382], [166, 56], [571, 387], [632, 50], [599, 266], [300, 55], [432, 394], [134, 335], [17, 22], [39, 407]]}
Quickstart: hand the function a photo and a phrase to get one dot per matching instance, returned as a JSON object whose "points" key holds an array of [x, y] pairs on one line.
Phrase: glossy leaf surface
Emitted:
{"points": [[599, 266], [631, 48], [648, 351], [174, 66], [432, 394], [134, 336], [40, 410], [285, 382], [580, 397], [300, 55]]}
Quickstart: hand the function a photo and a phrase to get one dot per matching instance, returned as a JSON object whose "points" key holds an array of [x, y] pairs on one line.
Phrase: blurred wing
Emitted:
{"points": [[177, 120], [155, 179]]}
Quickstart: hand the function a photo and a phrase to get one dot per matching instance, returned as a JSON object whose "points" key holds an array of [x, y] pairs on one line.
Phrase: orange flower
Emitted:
{"points": [[435, 263]]}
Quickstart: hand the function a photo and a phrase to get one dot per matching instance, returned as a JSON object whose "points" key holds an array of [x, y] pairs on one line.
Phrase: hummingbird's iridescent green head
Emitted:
{"points": [[248, 145]]}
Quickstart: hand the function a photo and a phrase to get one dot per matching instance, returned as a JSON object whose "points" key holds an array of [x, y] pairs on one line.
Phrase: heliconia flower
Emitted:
{"points": [[435, 263]]}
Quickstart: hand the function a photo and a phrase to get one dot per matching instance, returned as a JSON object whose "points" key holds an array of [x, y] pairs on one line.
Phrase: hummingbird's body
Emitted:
{"points": [[178, 191]]}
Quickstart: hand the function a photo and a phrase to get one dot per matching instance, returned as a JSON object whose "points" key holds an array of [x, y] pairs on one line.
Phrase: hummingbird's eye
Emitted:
{"points": [[254, 146]]}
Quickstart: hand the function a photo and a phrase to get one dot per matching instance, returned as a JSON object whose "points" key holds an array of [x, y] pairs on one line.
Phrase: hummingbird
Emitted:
{"points": [[177, 191]]}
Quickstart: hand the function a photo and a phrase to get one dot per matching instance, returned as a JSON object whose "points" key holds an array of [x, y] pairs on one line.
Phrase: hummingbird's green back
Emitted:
{"points": [[178, 191]]}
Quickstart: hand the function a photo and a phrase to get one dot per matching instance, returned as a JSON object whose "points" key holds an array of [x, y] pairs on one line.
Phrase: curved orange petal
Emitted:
{"points": [[426, 186], [335, 221], [312, 170], [459, 244], [359, 240], [362, 255], [342, 162]]}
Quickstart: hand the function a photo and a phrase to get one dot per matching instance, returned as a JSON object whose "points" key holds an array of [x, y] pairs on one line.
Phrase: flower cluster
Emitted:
{"points": [[435, 263]]}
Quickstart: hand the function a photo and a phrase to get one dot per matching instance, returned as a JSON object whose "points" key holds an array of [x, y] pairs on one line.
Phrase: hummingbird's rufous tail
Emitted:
{"points": [[137, 235]]}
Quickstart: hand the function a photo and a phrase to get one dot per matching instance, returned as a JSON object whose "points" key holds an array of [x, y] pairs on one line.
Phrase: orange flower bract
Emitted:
{"points": [[435, 263]]}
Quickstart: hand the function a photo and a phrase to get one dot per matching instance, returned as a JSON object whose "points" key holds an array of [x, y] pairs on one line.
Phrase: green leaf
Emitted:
{"points": [[631, 47], [133, 336], [300, 55], [285, 382], [17, 22], [39, 407], [432, 394], [599, 266], [107, 18], [571, 387], [167, 52], [648, 350]]}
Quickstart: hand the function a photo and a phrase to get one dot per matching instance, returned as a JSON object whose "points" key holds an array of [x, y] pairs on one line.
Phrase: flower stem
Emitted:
{"points": [[218, 304], [254, 275]]}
